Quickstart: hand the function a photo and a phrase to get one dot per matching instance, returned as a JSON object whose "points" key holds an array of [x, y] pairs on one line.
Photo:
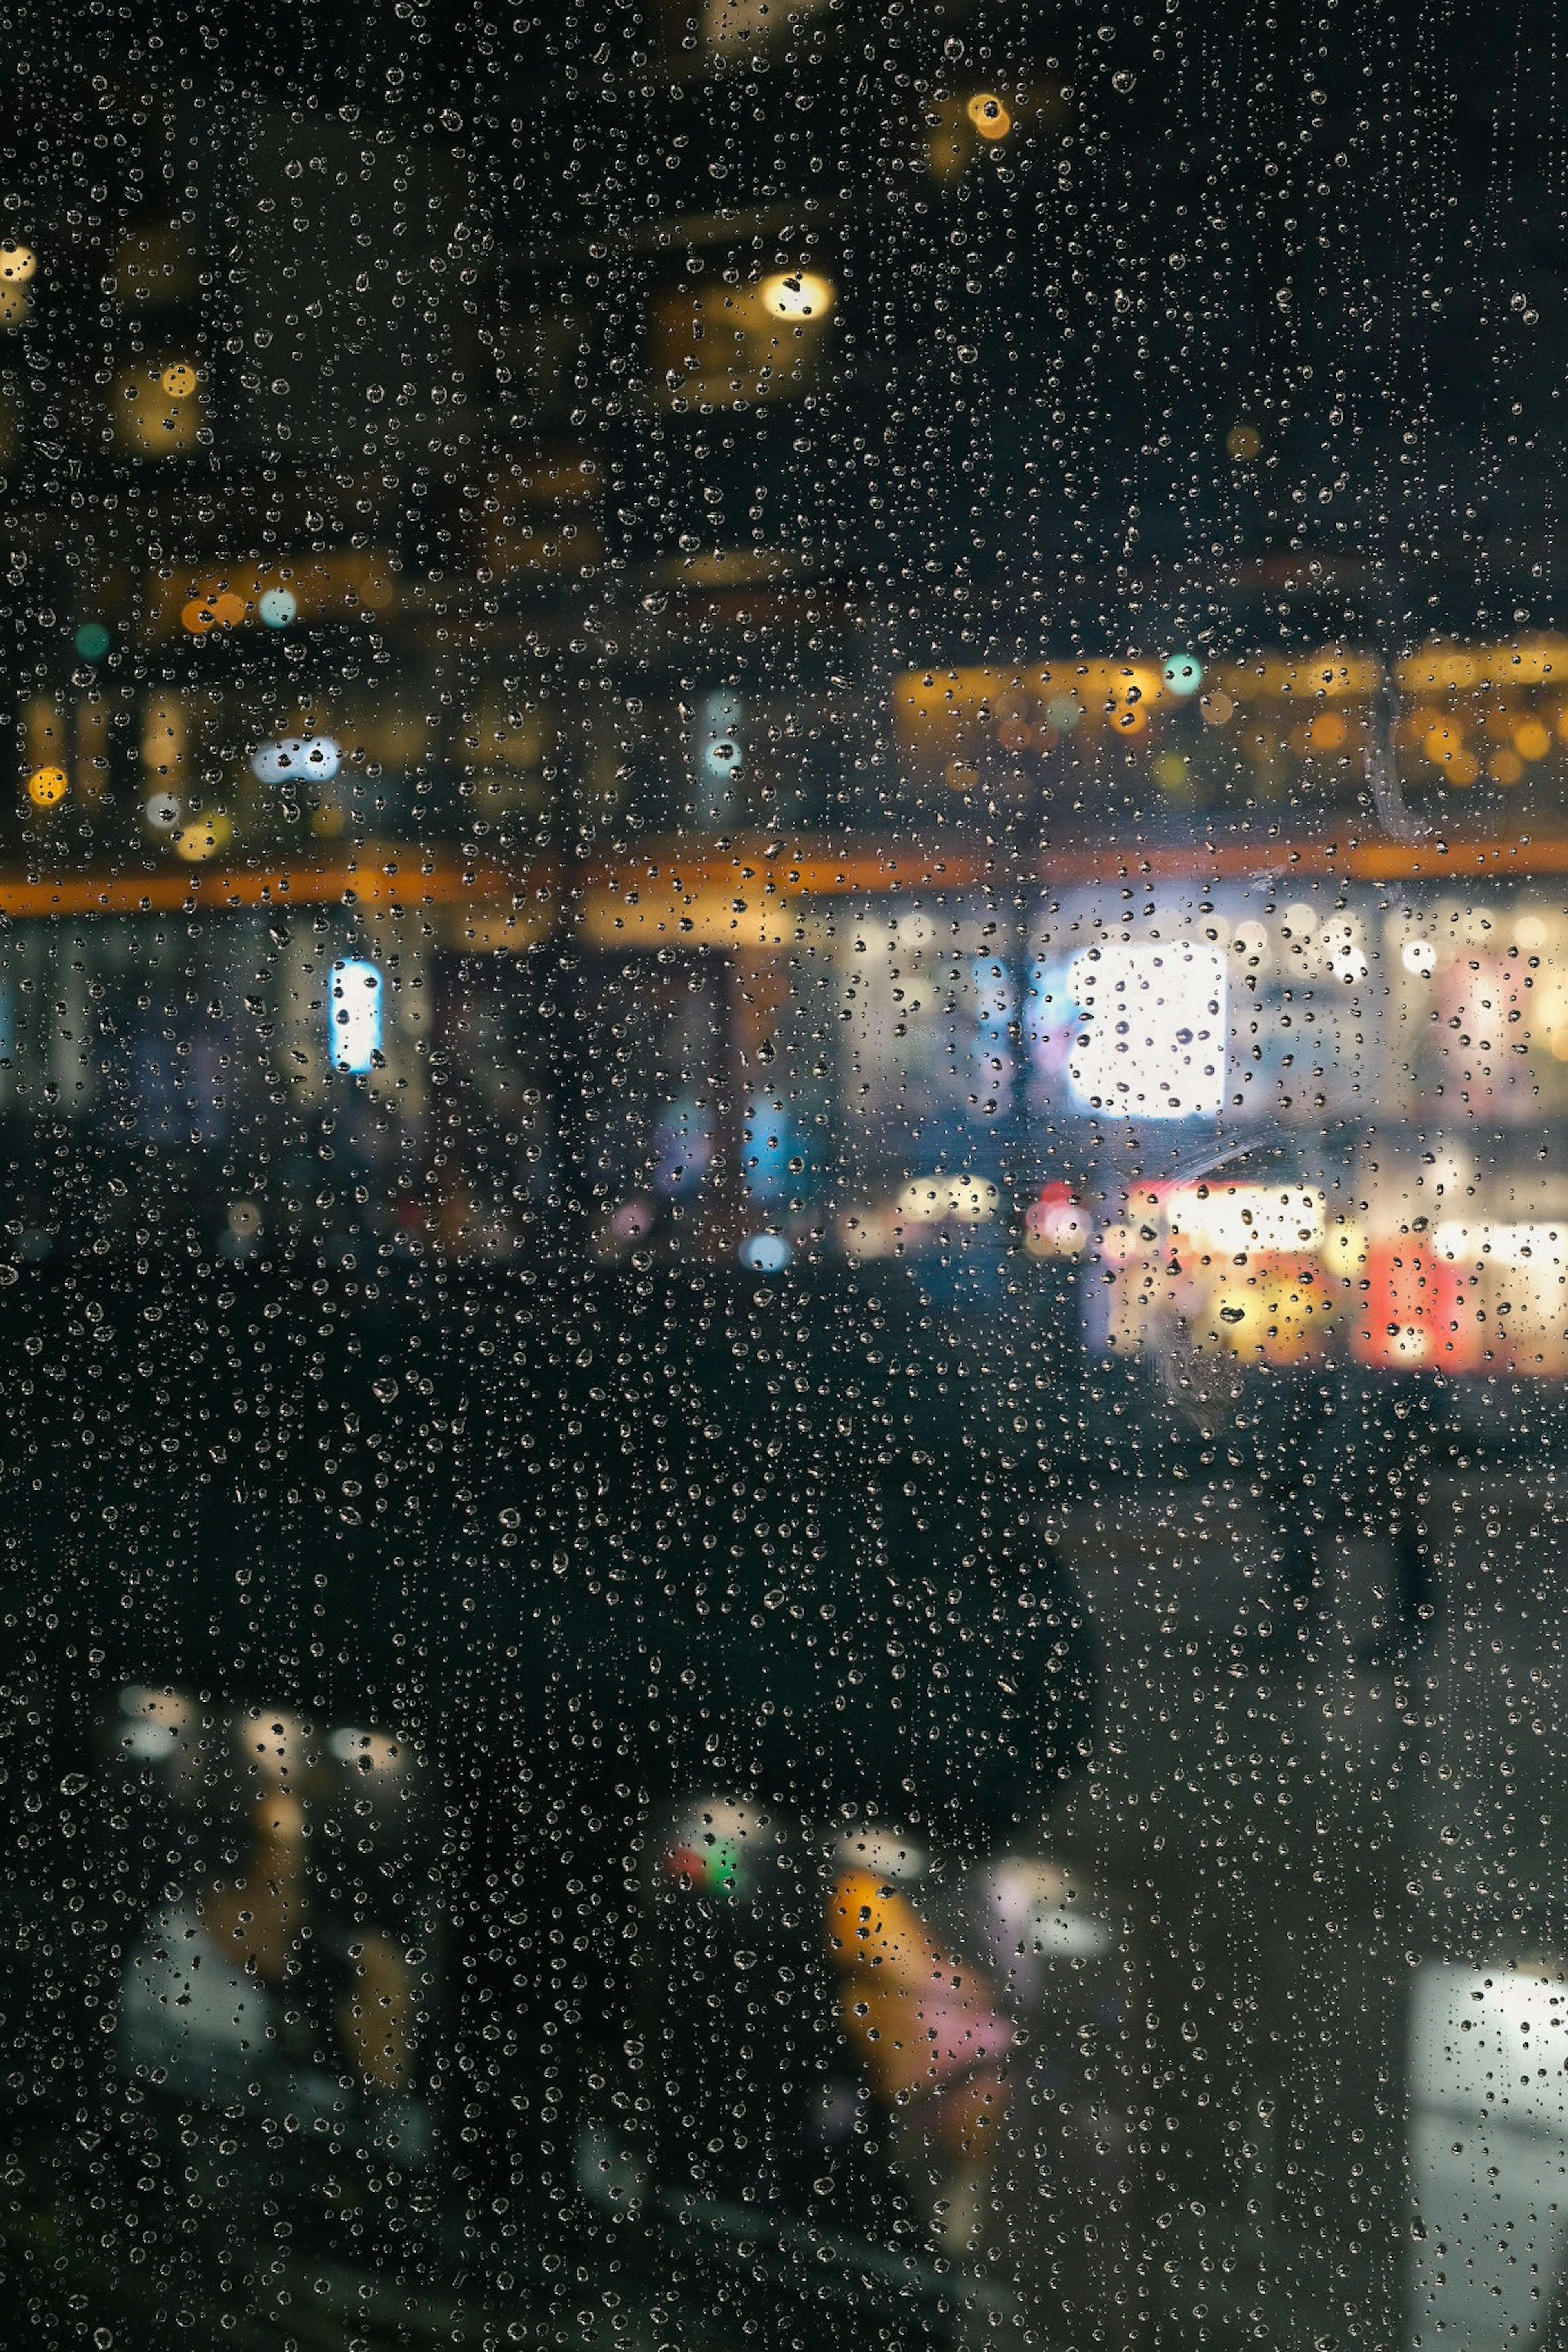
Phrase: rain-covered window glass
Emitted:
{"points": [[784, 1176]]}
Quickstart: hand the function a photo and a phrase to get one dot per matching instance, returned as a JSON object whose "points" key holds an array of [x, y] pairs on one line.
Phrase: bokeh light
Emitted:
{"points": [[988, 115], [47, 787], [797, 294], [1182, 674], [203, 837]]}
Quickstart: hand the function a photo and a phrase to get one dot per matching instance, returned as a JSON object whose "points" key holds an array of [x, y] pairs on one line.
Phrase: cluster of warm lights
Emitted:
{"points": [[1263, 1273], [224, 609], [1514, 742], [1468, 713]]}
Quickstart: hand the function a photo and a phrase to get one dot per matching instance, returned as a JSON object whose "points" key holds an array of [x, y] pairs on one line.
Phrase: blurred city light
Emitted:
{"points": [[354, 1015], [1152, 1040], [989, 115], [47, 787], [797, 294], [765, 1253]]}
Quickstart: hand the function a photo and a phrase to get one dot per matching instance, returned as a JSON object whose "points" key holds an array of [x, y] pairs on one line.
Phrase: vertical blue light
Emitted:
{"points": [[353, 1015]]}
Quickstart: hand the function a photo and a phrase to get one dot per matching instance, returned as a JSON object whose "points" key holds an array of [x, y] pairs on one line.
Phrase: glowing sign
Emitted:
{"points": [[1152, 1030], [353, 1016]]}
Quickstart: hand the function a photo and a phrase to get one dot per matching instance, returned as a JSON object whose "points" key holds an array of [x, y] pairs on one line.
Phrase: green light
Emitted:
{"points": [[92, 640], [1183, 674]]}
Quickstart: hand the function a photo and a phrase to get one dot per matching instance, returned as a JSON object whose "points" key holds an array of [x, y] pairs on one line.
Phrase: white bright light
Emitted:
{"points": [[797, 294], [1246, 1218], [1152, 1032], [353, 1015], [315, 757], [1534, 1249], [927, 1200], [367, 1751], [1420, 957], [765, 1253]]}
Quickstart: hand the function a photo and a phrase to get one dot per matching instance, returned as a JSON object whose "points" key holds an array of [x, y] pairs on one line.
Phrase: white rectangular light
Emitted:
{"points": [[353, 1015], [1150, 1041]]}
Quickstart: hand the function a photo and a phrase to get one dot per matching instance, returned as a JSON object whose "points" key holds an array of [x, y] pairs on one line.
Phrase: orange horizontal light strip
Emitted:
{"points": [[389, 882], [669, 873]]}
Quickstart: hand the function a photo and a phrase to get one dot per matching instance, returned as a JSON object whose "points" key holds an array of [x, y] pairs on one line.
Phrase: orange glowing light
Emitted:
{"points": [[224, 611], [988, 115], [47, 787]]}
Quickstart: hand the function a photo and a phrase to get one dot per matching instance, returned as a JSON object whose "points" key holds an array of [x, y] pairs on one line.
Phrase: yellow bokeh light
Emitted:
{"points": [[1327, 732], [179, 380], [988, 115], [1445, 747], [18, 262], [1243, 442], [203, 837], [1532, 741], [1507, 766], [797, 294], [47, 787]]}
